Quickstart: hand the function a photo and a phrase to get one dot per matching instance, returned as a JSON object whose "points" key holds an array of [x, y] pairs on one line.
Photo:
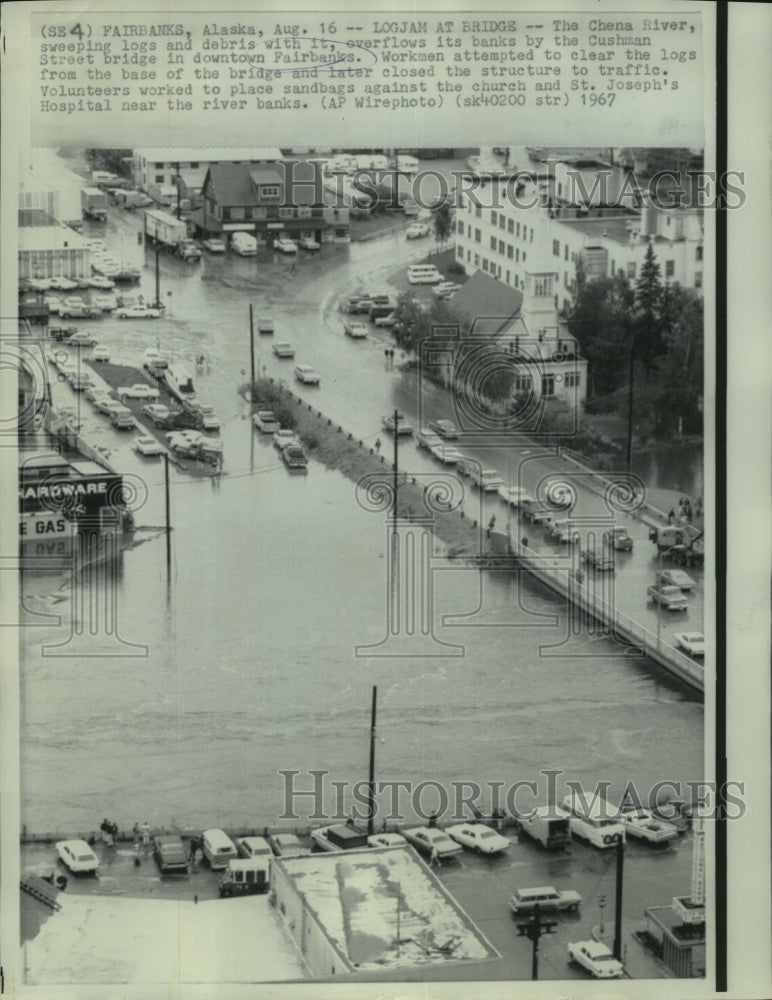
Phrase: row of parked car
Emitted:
{"points": [[245, 245]]}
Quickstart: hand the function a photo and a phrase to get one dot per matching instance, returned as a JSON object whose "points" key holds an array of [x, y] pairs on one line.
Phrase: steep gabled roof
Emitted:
{"points": [[490, 305]]}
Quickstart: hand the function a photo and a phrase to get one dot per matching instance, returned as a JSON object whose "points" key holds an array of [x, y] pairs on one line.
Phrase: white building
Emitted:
{"points": [[158, 167]]}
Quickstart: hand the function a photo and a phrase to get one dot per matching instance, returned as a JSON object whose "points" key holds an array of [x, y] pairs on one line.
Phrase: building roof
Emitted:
{"points": [[30, 217], [204, 154], [238, 183], [485, 299], [45, 237]]}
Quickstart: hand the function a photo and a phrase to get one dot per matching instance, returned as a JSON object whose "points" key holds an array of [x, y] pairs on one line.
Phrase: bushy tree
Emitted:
{"points": [[648, 324], [600, 320], [442, 219]]}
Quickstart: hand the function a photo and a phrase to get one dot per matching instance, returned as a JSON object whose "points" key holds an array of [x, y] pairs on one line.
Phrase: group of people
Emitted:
{"points": [[685, 510], [388, 353], [109, 832]]}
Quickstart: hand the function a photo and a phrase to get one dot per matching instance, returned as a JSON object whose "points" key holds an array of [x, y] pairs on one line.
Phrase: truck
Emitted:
{"points": [[33, 308], [683, 543], [165, 230], [543, 824], [339, 838], [244, 876], [133, 199], [122, 418], [93, 203]]}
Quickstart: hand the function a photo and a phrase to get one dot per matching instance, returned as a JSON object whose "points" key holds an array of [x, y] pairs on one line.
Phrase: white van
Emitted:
{"points": [[218, 848], [424, 274], [244, 244], [245, 877], [599, 824]]}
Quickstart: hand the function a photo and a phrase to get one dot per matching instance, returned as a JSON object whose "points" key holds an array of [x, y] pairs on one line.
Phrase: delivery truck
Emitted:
{"points": [[93, 203], [163, 229]]}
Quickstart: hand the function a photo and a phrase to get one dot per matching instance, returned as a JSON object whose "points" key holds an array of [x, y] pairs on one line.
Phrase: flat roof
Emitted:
{"points": [[356, 896], [612, 227]]}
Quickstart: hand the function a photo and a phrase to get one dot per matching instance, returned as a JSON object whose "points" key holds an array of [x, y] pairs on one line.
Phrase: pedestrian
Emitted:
{"points": [[671, 516], [378, 445], [294, 268], [386, 354], [146, 834], [137, 860], [435, 858], [193, 851], [135, 831]]}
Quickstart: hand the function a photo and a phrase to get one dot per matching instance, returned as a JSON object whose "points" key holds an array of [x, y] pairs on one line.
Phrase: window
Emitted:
{"points": [[459, 251], [502, 222], [477, 236], [193, 166], [460, 227], [477, 260], [286, 213], [501, 246], [631, 269], [258, 213], [494, 218], [572, 380], [548, 385], [517, 255], [523, 383], [478, 211], [158, 166], [236, 213], [509, 277], [518, 229], [510, 251], [511, 226], [485, 264], [669, 268], [304, 211], [698, 279], [556, 248], [269, 191], [565, 253], [493, 242], [699, 252], [159, 178]]}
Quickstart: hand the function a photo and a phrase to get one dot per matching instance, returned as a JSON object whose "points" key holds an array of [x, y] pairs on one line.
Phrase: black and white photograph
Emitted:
{"points": [[367, 624]]}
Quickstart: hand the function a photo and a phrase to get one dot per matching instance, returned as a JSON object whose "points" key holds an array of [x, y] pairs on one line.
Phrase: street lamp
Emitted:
{"points": [[601, 907]]}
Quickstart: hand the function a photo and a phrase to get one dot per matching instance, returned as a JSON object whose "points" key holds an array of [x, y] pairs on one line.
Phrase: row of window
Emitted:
{"points": [[503, 222], [240, 213]]}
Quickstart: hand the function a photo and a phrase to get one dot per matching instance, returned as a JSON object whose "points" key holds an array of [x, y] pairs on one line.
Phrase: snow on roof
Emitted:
{"points": [[355, 897]]}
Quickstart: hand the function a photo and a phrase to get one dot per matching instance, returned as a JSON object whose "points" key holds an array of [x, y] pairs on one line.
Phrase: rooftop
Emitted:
{"points": [[612, 227], [205, 154], [488, 301]]}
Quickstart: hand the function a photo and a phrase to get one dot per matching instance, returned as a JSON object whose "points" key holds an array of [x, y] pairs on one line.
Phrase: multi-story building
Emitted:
{"points": [[156, 169], [264, 201], [525, 235]]}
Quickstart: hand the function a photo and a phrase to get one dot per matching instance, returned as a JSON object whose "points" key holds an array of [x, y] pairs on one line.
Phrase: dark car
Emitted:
{"points": [[170, 854]]}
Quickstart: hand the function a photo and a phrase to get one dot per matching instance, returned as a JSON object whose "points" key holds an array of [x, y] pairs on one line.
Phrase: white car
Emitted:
{"points": [[307, 243], [74, 302], [357, 331], [643, 824], [487, 479], [265, 421], [100, 353], [479, 837], [62, 284], [285, 246], [100, 281], [213, 245], [427, 838], [184, 440], [514, 495], [254, 847], [157, 412], [106, 404], [428, 440], [53, 302], [81, 340], [284, 437], [692, 643], [404, 427], [140, 390], [283, 349], [287, 845], [148, 446], [307, 375], [447, 454], [104, 302], [445, 289], [445, 429], [597, 958], [386, 321], [386, 840], [77, 856], [138, 312], [416, 230], [678, 578]]}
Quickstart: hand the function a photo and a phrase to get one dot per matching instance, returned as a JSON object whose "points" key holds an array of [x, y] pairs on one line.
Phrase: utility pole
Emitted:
{"points": [[371, 782], [157, 272], [251, 352], [618, 904], [630, 406], [534, 930], [168, 518], [179, 210], [397, 419]]}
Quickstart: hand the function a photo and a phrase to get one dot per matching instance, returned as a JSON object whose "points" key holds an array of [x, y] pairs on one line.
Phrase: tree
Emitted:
{"points": [[648, 323], [600, 321], [680, 370], [411, 324], [442, 217], [114, 161]]}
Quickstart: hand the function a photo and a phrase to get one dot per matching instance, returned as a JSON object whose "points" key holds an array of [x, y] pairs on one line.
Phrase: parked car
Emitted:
{"points": [[426, 838], [307, 375], [106, 303], [308, 243], [428, 439], [170, 854], [564, 531], [106, 404], [533, 511], [668, 596], [389, 320], [692, 643], [678, 578], [445, 428], [283, 437], [448, 454], [404, 427], [416, 230], [157, 412], [619, 539], [597, 958], [265, 421], [466, 465], [54, 303], [61, 284], [138, 312], [600, 557], [294, 456], [548, 898], [487, 479], [100, 353], [100, 281], [254, 847], [81, 340], [213, 245], [445, 289], [93, 392], [77, 856], [79, 312], [357, 331], [79, 380], [287, 845], [283, 349], [479, 837], [387, 840], [285, 246], [644, 825], [140, 390], [148, 446], [122, 418]]}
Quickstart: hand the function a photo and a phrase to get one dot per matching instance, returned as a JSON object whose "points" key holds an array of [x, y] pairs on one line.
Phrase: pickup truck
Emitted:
{"points": [[61, 332], [668, 596], [139, 390]]}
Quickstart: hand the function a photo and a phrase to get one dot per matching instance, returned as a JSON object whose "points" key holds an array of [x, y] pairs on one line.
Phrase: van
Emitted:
{"points": [[218, 848], [244, 244], [595, 821], [546, 897], [550, 829], [245, 876], [424, 274]]}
